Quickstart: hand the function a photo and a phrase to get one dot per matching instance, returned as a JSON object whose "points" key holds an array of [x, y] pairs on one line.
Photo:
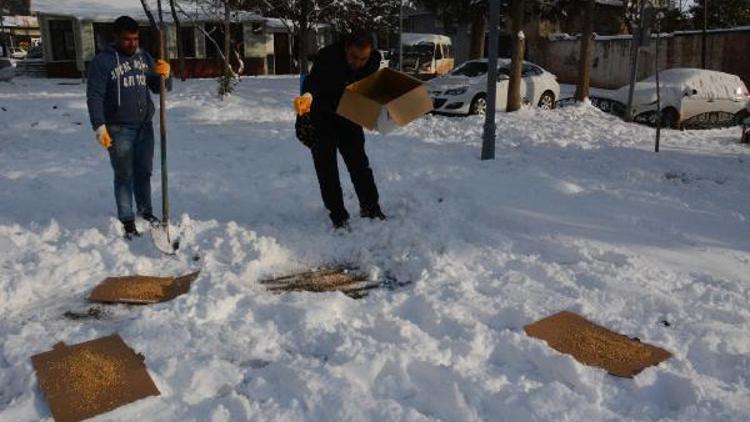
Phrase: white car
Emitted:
{"points": [[464, 90], [690, 99]]}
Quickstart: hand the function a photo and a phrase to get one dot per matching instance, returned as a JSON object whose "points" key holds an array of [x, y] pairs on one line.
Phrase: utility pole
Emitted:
{"points": [[488, 137], [659, 117], [705, 30]]}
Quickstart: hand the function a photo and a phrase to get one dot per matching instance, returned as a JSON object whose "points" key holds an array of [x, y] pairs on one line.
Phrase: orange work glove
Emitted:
{"points": [[103, 136], [303, 104], [162, 68]]}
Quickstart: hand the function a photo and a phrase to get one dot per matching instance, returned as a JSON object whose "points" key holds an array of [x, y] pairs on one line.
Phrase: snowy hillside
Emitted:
{"points": [[577, 213]]}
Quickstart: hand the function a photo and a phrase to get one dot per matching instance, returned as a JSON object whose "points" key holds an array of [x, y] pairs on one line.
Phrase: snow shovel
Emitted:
{"points": [[160, 231]]}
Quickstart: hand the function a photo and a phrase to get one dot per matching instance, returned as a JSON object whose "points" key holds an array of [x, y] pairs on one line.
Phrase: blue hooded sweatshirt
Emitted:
{"points": [[118, 86]]}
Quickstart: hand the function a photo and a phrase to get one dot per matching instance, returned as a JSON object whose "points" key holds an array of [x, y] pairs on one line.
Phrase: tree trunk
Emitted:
{"points": [[178, 30], [478, 28], [227, 38], [587, 44], [304, 33], [516, 64]]}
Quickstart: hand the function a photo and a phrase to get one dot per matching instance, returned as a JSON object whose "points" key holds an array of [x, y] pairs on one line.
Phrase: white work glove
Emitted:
{"points": [[102, 136]]}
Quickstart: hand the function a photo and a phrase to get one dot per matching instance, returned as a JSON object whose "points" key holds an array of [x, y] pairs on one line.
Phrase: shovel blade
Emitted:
{"points": [[163, 241]]}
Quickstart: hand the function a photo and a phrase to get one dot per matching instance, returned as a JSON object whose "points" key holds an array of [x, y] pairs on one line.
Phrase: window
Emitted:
{"points": [[103, 36], [149, 41], [438, 52], [530, 70], [63, 43], [188, 41]]}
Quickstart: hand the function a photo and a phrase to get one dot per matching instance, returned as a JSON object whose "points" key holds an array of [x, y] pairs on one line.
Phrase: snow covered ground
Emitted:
{"points": [[576, 213]]}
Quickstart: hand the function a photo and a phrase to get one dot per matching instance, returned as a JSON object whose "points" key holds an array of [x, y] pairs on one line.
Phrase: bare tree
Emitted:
{"points": [[178, 31], [582, 90], [300, 17], [516, 61]]}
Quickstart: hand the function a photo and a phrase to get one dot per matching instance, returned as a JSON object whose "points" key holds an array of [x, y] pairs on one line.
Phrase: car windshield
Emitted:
{"points": [[471, 69], [421, 49]]}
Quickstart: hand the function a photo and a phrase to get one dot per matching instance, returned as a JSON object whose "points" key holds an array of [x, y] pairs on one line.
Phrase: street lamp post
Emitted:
{"points": [[488, 137], [401, 37]]}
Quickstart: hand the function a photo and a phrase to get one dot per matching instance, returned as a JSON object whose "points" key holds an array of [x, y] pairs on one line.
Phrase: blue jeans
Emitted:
{"points": [[132, 157]]}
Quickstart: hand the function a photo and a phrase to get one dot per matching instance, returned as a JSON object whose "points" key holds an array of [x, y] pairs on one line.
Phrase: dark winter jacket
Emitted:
{"points": [[118, 88], [328, 78]]}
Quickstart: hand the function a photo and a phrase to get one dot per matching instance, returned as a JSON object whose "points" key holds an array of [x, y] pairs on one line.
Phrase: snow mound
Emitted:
{"points": [[576, 213]]}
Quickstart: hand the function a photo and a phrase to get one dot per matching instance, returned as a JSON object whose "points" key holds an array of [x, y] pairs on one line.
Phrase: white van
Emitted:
{"points": [[427, 55]]}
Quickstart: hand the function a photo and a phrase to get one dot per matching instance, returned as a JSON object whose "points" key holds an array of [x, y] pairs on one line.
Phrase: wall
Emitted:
{"points": [[727, 51]]}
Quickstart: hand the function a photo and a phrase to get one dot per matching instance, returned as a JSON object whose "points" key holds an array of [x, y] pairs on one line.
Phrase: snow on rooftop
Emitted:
{"points": [[112, 9], [409, 38], [91, 9]]}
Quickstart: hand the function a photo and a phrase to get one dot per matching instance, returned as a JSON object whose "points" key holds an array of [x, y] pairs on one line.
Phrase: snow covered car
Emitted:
{"points": [[690, 99], [464, 90], [7, 68]]}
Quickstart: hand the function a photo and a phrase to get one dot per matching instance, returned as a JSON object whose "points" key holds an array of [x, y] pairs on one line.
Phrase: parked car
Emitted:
{"points": [[17, 53], [426, 55], [464, 90], [690, 99]]}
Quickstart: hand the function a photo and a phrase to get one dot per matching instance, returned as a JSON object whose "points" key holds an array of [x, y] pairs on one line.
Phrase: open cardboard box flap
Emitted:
{"points": [[402, 97], [91, 378]]}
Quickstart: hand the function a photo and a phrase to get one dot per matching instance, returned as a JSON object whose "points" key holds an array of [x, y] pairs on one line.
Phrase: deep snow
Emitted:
{"points": [[576, 213]]}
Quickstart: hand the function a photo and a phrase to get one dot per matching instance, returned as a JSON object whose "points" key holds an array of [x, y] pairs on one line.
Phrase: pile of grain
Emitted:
{"points": [[139, 289], [596, 346], [86, 375]]}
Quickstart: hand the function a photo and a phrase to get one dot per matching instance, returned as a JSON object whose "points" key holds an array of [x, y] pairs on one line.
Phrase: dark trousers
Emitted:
{"points": [[132, 157], [351, 145]]}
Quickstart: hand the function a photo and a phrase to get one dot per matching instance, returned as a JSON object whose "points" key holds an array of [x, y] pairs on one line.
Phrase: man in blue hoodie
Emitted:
{"points": [[121, 110]]}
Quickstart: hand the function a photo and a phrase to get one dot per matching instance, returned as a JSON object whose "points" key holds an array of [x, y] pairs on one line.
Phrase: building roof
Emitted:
{"points": [[91, 9], [20, 21], [111, 9]]}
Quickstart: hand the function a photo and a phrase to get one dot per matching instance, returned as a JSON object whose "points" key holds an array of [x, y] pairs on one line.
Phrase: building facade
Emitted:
{"points": [[264, 45]]}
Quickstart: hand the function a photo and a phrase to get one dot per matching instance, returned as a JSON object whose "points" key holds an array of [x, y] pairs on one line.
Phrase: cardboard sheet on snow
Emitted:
{"points": [[594, 345], [91, 378], [141, 289], [385, 100]]}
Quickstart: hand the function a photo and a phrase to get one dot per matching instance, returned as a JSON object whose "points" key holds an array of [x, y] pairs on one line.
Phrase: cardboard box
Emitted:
{"points": [[594, 345], [91, 378], [385, 100], [140, 289]]}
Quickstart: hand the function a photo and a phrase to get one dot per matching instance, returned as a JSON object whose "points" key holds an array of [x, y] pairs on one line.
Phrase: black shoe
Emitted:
{"points": [[372, 213], [342, 225], [151, 219], [130, 230]]}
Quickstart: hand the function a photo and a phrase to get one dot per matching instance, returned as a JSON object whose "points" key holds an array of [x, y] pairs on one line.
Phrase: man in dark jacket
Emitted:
{"points": [[335, 67], [120, 82]]}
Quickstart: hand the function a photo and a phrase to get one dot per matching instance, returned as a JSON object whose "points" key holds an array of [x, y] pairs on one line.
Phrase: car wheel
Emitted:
{"points": [[478, 105], [547, 101], [670, 118]]}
